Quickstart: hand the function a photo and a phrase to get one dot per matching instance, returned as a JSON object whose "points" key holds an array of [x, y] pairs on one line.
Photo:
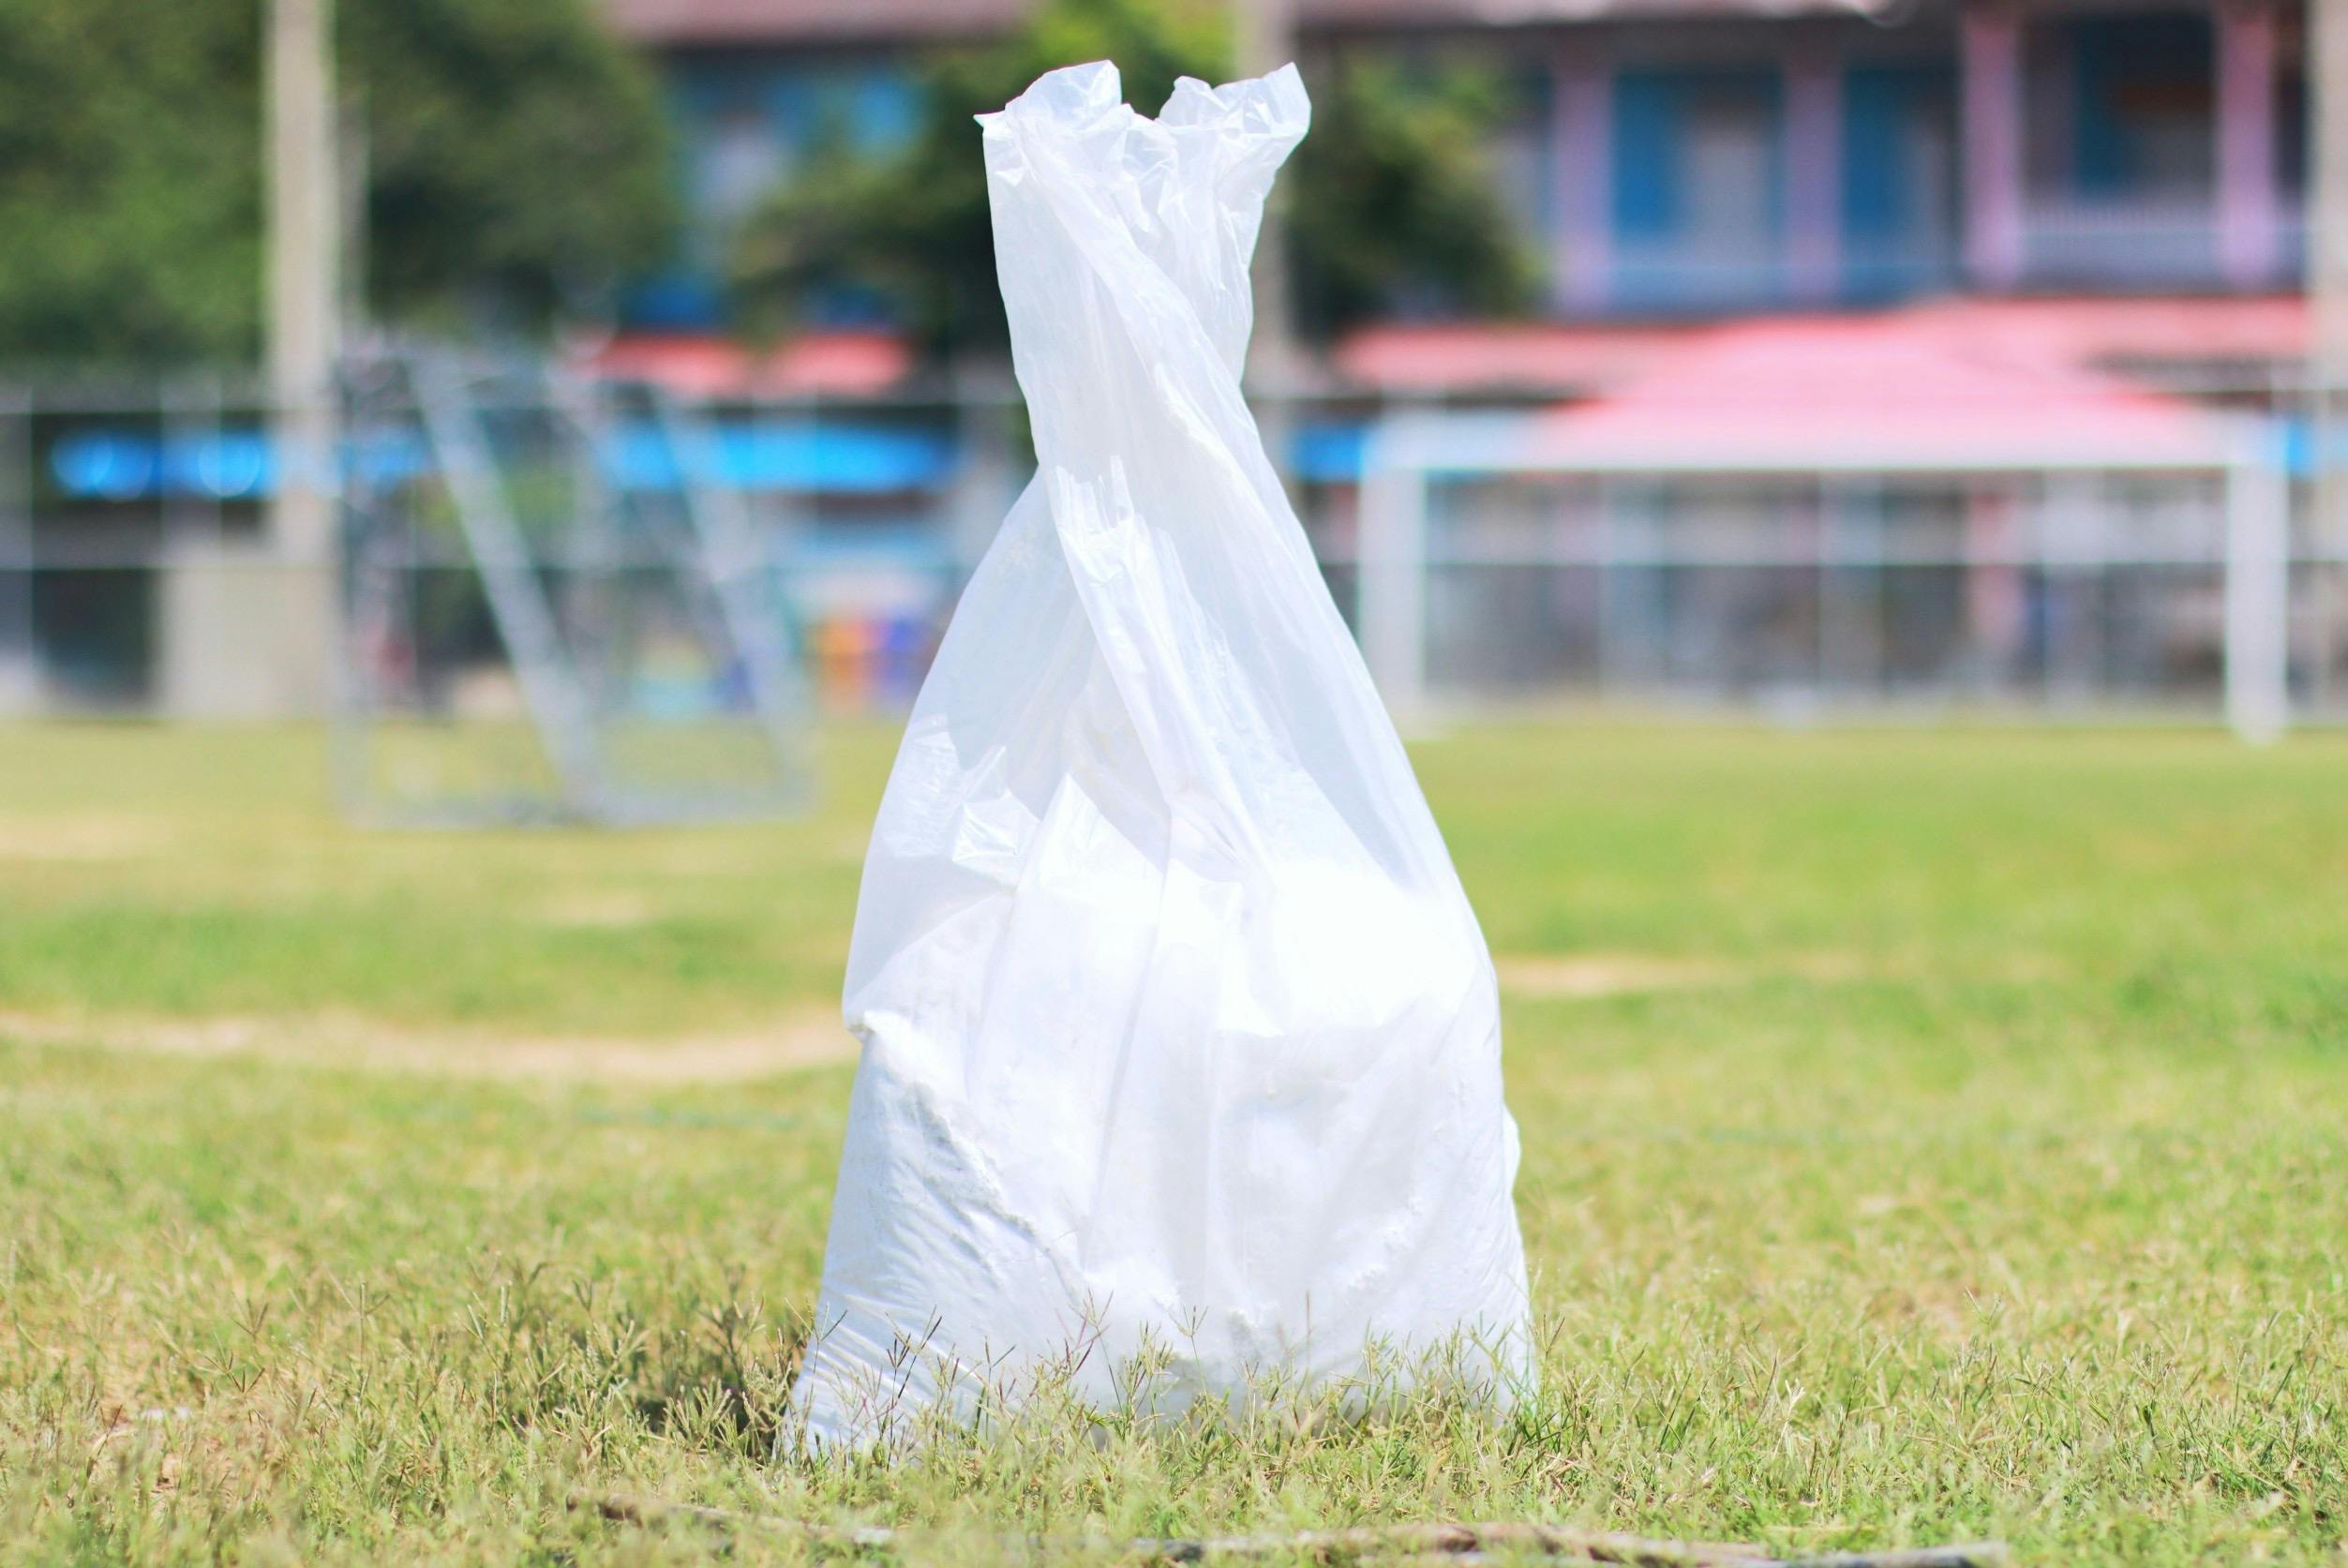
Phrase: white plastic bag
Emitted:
{"points": [[1179, 1029]]}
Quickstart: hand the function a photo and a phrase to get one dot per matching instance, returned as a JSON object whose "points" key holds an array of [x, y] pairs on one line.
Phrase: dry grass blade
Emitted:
{"points": [[1408, 1543]]}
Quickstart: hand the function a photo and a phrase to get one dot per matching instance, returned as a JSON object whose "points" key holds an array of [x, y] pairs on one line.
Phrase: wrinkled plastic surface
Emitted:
{"points": [[1177, 1026]]}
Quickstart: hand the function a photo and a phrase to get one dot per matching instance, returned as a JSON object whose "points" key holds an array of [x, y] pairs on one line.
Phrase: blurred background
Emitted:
{"points": [[613, 383]]}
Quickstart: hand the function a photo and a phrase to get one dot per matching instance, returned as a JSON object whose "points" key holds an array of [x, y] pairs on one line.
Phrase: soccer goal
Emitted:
{"points": [[553, 606]]}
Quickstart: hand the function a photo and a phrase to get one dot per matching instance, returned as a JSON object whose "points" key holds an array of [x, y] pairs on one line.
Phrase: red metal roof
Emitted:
{"points": [[1583, 357], [1924, 390], [1574, 359], [2121, 328], [685, 23], [827, 364], [1348, 15], [1504, 357]]}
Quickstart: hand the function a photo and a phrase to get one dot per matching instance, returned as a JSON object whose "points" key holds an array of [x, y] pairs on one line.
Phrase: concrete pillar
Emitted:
{"points": [[2250, 231], [298, 650], [1581, 172], [2326, 257], [1814, 172], [1992, 93], [239, 630], [2258, 598], [20, 674], [1390, 613]]}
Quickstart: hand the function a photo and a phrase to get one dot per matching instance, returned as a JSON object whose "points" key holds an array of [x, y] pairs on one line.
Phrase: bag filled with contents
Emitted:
{"points": [[1179, 1036]]}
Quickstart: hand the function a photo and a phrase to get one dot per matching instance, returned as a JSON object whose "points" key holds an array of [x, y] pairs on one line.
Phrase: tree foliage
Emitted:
{"points": [[129, 190], [515, 152], [518, 157], [1389, 198], [1393, 205]]}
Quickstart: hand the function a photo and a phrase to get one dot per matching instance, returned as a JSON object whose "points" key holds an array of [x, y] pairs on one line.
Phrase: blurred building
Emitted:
{"points": [[1679, 157], [1967, 221], [1957, 211]]}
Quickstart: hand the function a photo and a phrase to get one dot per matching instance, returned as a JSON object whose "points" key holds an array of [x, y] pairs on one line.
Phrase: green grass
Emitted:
{"points": [[1996, 1184]]}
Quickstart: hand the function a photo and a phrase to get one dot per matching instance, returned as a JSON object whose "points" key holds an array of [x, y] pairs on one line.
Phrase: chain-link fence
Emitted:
{"points": [[138, 572]]}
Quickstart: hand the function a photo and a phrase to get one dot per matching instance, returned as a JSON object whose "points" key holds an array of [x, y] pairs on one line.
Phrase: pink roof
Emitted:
{"points": [[1551, 357], [1339, 15], [677, 23], [833, 364], [1510, 356], [1875, 394], [2142, 328]]}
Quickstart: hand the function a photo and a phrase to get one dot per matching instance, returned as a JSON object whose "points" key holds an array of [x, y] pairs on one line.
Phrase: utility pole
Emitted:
{"points": [[304, 308], [2327, 231], [1263, 36], [2327, 285]]}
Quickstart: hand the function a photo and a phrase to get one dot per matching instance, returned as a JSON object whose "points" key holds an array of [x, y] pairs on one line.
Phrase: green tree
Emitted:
{"points": [[1389, 197], [1393, 202], [130, 189], [516, 158]]}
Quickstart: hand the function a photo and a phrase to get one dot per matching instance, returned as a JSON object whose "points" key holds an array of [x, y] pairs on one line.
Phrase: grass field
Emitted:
{"points": [[1929, 1136]]}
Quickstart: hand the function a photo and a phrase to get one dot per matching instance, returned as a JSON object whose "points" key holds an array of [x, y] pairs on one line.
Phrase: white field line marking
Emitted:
{"points": [[1547, 976], [806, 1038], [810, 1037]]}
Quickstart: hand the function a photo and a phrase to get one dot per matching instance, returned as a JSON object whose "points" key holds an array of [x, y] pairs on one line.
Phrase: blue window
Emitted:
{"points": [[2141, 102], [1898, 178], [1697, 189]]}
